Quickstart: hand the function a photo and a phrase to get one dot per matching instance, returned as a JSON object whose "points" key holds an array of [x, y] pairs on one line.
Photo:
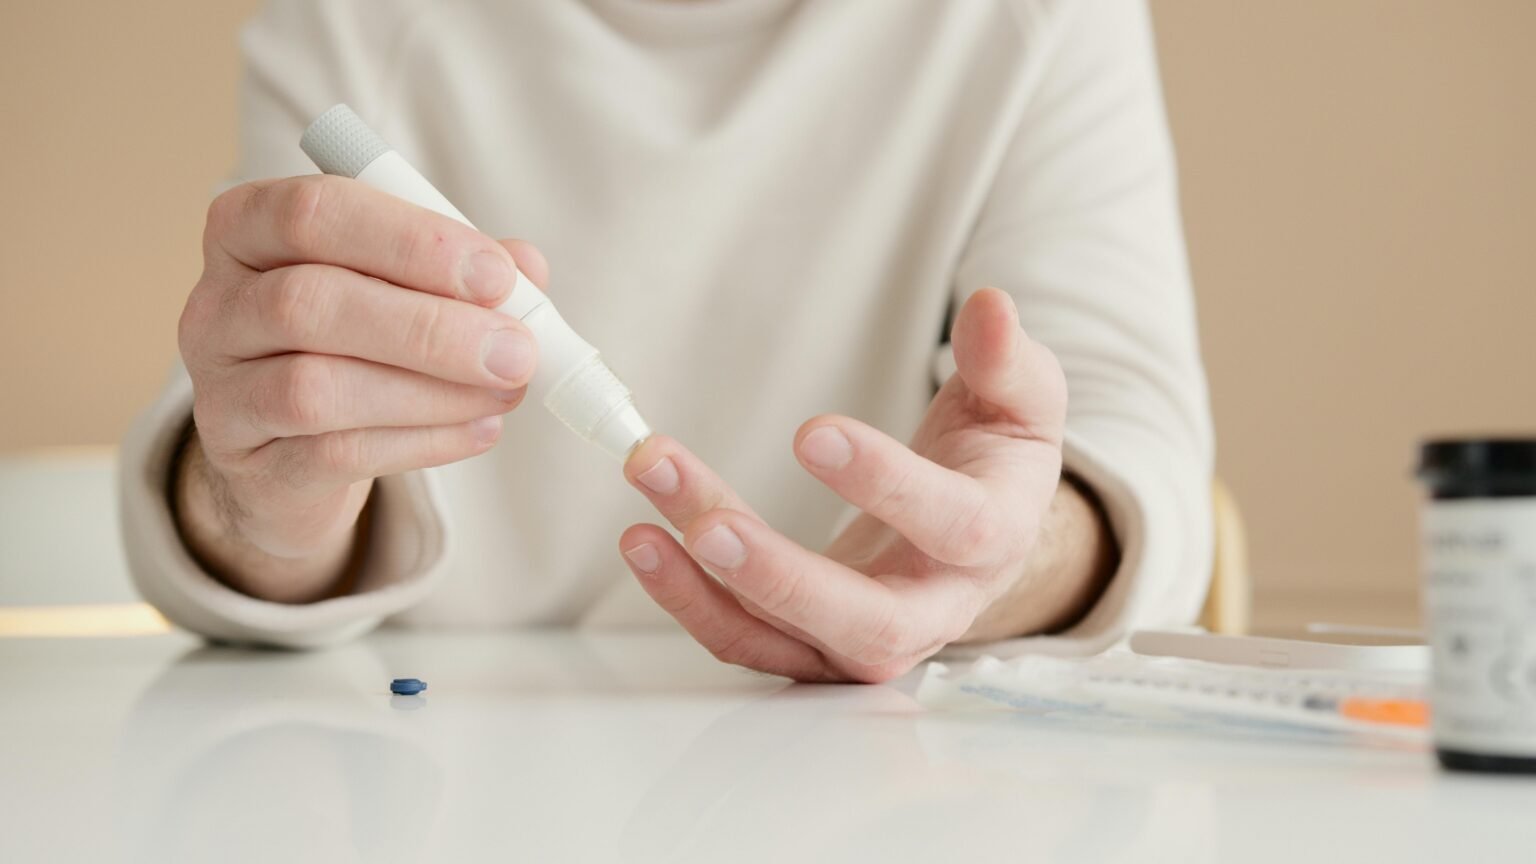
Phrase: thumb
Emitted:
{"points": [[1006, 369]]}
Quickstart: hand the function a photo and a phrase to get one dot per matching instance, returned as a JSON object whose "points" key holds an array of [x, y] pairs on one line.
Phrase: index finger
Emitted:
{"points": [[319, 219], [872, 621], [678, 483]]}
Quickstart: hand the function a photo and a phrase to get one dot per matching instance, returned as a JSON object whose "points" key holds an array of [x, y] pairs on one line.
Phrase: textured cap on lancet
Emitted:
{"points": [[340, 142]]}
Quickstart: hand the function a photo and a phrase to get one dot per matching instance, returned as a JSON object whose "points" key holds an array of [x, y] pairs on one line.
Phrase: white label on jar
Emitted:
{"points": [[1480, 605]]}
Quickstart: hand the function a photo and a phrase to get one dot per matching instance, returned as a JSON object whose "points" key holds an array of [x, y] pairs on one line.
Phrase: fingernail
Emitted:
{"points": [[487, 276], [644, 557], [508, 355], [510, 396], [721, 548], [827, 448], [486, 430], [660, 478]]}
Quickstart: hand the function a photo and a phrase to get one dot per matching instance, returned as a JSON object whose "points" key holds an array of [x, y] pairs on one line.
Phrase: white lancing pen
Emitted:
{"points": [[571, 379]]}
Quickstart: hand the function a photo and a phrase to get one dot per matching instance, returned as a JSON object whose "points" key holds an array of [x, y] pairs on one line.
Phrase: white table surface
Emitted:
{"points": [[569, 747]]}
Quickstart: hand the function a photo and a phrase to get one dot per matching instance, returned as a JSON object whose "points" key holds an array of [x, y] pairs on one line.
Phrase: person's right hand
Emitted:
{"points": [[338, 334]]}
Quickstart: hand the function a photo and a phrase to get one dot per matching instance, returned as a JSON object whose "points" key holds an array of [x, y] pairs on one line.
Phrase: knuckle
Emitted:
{"points": [[193, 323], [973, 537], [298, 210], [439, 446], [677, 602], [225, 210], [305, 395], [731, 648], [427, 334], [713, 498], [341, 453], [892, 496], [785, 596], [290, 304], [886, 640], [209, 418]]}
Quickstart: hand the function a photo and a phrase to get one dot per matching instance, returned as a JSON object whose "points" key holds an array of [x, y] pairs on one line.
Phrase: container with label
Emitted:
{"points": [[1479, 568]]}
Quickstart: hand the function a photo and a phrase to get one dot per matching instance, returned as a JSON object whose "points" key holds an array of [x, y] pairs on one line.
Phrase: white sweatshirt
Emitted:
{"points": [[759, 210]]}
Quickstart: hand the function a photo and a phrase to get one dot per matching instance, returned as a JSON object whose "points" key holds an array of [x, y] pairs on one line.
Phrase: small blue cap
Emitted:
{"points": [[407, 686]]}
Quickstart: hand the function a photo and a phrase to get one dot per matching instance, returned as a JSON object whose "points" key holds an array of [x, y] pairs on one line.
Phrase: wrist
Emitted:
{"points": [[217, 529], [1064, 575]]}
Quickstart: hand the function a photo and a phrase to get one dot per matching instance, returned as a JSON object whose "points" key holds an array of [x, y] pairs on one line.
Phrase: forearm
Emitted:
{"points": [[1073, 560], [213, 525]]}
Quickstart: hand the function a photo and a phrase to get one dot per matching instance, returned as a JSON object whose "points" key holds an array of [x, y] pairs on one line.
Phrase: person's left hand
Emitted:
{"points": [[947, 527]]}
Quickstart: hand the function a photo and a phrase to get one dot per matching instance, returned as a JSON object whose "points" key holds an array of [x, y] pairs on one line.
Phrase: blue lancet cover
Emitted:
{"points": [[407, 686]]}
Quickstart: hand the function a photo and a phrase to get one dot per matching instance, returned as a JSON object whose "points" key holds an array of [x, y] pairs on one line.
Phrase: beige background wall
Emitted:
{"points": [[1360, 198]]}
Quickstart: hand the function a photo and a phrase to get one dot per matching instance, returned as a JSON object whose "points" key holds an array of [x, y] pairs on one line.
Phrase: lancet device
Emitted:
{"points": [[571, 379]]}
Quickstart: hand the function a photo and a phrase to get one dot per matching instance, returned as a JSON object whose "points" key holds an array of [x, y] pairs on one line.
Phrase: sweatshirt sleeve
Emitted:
{"points": [[1082, 227], [301, 56]]}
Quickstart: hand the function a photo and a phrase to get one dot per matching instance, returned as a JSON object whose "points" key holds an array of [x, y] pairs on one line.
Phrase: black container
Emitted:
{"points": [[1479, 529]]}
